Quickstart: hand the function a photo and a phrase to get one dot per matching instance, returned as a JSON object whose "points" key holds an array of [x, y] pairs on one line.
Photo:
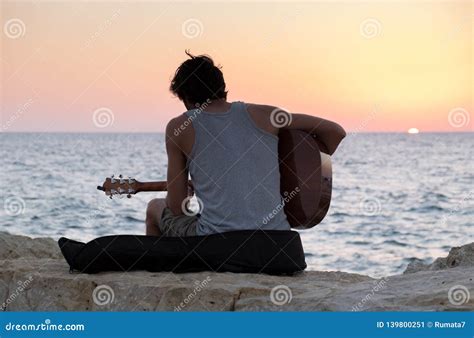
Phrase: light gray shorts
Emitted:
{"points": [[178, 226]]}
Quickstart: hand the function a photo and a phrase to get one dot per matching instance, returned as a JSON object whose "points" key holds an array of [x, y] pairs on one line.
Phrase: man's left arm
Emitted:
{"points": [[177, 177]]}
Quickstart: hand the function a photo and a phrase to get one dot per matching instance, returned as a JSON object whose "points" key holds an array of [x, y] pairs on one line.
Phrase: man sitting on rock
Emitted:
{"points": [[230, 150]]}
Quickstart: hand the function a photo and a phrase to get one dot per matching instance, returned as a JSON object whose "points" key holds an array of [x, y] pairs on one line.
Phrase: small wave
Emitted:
{"points": [[133, 219], [339, 214], [394, 242], [426, 209], [358, 242]]}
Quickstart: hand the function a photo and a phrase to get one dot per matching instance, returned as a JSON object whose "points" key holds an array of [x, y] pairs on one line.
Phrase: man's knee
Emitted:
{"points": [[155, 207]]}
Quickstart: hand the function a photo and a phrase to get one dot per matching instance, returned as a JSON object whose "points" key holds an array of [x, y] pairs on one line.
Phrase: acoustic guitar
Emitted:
{"points": [[305, 179]]}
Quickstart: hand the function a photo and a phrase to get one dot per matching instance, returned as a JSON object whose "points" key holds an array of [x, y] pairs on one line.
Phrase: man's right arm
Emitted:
{"points": [[271, 119], [329, 133]]}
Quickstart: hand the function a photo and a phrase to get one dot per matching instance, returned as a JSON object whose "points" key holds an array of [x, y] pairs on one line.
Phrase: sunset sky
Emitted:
{"points": [[106, 66]]}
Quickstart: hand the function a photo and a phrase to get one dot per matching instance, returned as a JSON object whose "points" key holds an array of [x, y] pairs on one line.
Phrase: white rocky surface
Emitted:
{"points": [[35, 277]]}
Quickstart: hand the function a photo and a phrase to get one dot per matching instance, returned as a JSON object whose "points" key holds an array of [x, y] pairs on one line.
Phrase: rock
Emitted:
{"points": [[34, 276], [14, 246], [457, 257]]}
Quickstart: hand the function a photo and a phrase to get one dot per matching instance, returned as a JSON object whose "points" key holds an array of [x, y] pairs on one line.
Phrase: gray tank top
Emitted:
{"points": [[235, 169]]}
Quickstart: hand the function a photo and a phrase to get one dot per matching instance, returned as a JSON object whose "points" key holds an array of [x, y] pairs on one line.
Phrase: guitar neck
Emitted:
{"points": [[153, 186]]}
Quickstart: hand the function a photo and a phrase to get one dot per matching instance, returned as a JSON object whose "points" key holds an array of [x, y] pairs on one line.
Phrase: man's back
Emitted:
{"points": [[235, 170]]}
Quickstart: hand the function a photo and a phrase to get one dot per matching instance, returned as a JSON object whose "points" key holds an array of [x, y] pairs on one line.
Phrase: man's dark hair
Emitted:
{"points": [[197, 80]]}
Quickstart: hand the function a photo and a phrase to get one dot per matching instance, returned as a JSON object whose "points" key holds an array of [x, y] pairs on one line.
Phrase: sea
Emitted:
{"points": [[396, 197]]}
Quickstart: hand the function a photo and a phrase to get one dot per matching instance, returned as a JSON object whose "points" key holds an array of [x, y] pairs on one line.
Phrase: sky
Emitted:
{"points": [[372, 66]]}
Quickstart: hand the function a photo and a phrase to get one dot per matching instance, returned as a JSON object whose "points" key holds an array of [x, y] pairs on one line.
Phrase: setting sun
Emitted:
{"points": [[413, 131]]}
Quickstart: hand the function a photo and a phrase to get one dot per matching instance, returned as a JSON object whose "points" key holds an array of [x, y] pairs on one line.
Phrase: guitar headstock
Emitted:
{"points": [[119, 186]]}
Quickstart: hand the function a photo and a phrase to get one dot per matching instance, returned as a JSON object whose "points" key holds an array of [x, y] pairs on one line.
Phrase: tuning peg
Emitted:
{"points": [[129, 196], [110, 196], [120, 176]]}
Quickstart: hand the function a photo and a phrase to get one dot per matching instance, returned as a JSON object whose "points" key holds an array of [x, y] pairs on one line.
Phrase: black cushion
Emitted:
{"points": [[271, 252]]}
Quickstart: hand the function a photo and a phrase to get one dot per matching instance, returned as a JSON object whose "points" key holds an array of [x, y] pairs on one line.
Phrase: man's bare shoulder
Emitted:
{"points": [[180, 133], [262, 116], [260, 108], [178, 126]]}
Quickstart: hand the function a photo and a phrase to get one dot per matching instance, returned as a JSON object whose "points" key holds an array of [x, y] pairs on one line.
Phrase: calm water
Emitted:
{"points": [[395, 196]]}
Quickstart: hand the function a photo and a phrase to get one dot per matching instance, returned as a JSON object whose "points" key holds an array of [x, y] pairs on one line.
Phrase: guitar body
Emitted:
{"points": [[305, 178]]}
